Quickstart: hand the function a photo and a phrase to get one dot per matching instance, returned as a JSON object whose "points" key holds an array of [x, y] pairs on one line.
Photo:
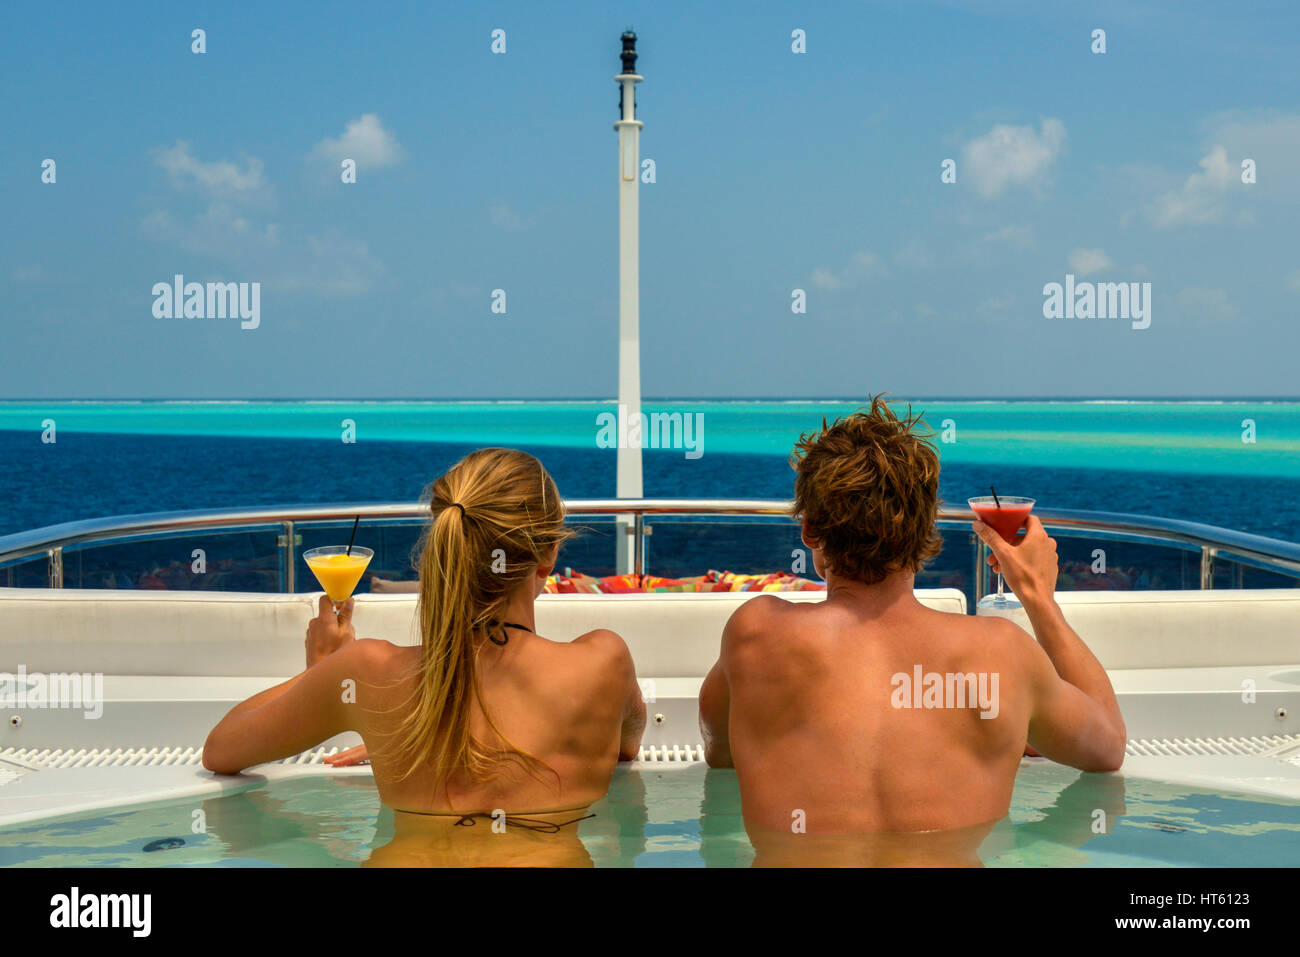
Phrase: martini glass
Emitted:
{"points": [[1006, 515], [338, 569]]}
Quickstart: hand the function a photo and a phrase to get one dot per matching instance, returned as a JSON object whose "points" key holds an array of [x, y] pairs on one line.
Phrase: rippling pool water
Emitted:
{"points": [[670, 818]]}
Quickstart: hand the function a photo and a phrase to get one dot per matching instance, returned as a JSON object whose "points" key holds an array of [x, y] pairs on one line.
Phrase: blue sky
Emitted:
{"points": [[775, 171]]}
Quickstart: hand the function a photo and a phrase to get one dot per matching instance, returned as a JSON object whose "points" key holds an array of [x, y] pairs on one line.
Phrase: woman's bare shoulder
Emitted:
{"points": [[600, 650], [376, 658], [601, 643], [599, 637]]}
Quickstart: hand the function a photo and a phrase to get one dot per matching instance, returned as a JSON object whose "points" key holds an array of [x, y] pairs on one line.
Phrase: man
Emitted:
{"points": [[818, 706]]}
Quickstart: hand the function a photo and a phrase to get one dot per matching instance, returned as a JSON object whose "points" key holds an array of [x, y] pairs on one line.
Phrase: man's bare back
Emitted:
{"points": [[814, 728], [817, 705]]}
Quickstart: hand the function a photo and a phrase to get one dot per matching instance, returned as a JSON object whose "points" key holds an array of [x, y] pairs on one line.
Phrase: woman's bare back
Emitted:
{"points": [[563, 703]]}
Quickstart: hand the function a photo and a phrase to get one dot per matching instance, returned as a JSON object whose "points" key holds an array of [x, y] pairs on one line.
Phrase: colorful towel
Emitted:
{"points": [[573, 582]]}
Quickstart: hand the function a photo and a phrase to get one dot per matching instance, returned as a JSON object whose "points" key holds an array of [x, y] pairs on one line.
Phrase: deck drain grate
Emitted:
{"points": [[11, 772], [16, 761], [672, 754], [1283, 746]]}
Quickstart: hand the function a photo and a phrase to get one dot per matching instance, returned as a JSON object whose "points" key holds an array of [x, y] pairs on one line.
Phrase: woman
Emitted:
{"points": [[485, 726]]}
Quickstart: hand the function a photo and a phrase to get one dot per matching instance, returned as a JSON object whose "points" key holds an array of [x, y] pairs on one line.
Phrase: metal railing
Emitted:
{"points": [[51, 541]]}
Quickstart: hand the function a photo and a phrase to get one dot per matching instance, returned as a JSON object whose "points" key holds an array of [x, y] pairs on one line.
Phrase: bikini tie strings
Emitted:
{"points": [[503, 625], [527, 823]]}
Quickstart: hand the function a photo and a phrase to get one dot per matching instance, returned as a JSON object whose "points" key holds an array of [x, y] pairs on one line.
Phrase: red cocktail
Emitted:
{"points": [[1006, 515]]}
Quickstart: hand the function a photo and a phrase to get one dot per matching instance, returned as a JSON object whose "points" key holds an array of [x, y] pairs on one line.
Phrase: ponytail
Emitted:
{"points": [[495, 516]]}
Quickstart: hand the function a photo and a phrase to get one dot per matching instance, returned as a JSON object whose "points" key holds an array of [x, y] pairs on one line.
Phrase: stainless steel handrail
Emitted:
{"points": [[53, 539]]}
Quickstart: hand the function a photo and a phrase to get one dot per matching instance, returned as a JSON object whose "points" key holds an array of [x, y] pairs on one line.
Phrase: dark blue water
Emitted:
{"points": [[92, 475]]}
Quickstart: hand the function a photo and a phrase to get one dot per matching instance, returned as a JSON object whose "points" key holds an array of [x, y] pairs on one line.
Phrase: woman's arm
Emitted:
{"points": [[715, 715], [298, 713], [634, 716]]}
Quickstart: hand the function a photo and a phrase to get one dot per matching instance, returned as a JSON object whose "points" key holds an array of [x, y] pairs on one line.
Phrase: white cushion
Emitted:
{"points": [[670, 634], [1184, 629], [1187, 629], [213, 633]]}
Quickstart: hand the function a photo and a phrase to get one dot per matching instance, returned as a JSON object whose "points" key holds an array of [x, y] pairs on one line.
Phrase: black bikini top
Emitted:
{"points": [[504, 625]]}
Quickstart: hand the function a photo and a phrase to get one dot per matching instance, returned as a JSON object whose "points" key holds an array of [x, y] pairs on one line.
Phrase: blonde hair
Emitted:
{"points": [[496, 515]]}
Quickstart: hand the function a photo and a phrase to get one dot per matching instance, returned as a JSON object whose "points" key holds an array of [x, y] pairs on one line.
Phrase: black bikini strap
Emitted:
{"points": [[528, 823], [504, 624]]}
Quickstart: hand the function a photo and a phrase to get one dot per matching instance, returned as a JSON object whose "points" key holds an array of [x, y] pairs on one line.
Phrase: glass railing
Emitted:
{"points": [[260, 549]]}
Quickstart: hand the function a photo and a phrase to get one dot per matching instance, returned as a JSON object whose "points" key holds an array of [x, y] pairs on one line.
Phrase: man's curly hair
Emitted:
{"points": [[867, 488]]}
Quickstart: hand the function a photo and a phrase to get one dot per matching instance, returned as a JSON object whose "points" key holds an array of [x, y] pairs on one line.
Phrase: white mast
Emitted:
{"points": [[629, 335]]}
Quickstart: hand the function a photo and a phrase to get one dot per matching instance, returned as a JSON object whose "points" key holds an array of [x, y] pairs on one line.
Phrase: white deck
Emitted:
{"points": [[174, 663]]}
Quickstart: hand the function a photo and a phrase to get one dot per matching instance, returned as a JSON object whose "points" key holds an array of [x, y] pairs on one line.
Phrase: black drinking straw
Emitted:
{"points": [[354, 535], [995, 500]]}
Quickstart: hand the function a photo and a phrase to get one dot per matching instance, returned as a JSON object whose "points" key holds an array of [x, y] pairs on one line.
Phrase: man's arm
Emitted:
{"points": [[747, 621], [1076, 718], [1078, 715]]}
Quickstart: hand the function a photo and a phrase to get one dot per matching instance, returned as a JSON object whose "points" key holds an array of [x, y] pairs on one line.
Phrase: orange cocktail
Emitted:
{"points": [[338, 570]]}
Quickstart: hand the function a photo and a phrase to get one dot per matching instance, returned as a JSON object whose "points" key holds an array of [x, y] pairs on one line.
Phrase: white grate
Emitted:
{"points": [[1275, 745], [40, 759], [17, 761], [672, 754], [14, 762]]}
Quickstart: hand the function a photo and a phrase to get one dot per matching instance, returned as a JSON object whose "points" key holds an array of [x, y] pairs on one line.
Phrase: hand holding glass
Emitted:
{"points": [[338, 571], [1006, 515]]}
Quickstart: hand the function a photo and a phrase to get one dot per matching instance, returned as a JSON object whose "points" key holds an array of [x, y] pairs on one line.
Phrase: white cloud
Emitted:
{"points": [[1198, 302], [1012, 156], [1271, 139], [327, 264], [1203, 196], [222, 231], [217, 176], [1085, 262], [1012, 235], [1216, 193], [331, 264], [363, 140], [823, 278], [863, 266], [994, 305], [504, 217], [226, 228], [914, 255]]}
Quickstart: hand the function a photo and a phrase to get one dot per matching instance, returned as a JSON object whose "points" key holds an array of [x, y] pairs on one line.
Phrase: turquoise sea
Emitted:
{"points": [[1190, 437], [1229, 463]]}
